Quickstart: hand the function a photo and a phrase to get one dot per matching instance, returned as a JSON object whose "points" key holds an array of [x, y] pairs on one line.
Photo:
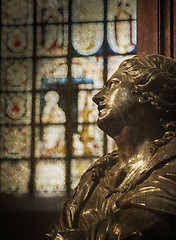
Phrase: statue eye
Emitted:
{"points": [[116, 80], [113, 82]]}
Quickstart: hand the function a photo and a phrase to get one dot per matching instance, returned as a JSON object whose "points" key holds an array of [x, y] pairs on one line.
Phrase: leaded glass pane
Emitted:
{"points": [[17, 11], [87, 109], [50, 177], [121, 10], [122, 37], [15, 142], [87, 38], [52, 40], [79, 166], [51, 73], [52, 121], [88, 141], [17, 41], [50, 142], [15, 108], [16, 75], [49, 107], [87, 73], [15, 176], [87, 10], [52, 11]]}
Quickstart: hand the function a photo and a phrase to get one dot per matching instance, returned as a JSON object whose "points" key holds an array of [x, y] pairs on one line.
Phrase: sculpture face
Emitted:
{"points": [[116, 104]]}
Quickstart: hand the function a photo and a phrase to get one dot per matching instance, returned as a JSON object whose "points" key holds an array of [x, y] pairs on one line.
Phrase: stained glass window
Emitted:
{"points": [[54, 56]]}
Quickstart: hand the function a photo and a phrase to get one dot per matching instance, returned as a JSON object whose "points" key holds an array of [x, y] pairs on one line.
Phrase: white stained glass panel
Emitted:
{"points": [[49, 108], [17, 11], [14, 177], [52, 40], [121, 10], [78, 167], [88, 141], [88, 72], [51, 72], [50, 142], [16, 75], [87, 38], [15, 108], [17, 41], [52, 11], [15, 142], [87, 109], [122, 36], [87, 10], [50, 177]]}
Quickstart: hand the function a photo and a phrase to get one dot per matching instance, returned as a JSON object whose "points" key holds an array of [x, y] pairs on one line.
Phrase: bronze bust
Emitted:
{"points": [[130, 193]]}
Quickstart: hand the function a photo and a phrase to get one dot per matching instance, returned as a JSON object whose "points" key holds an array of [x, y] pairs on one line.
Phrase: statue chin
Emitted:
{"points": [[104, 126], [110, 126]]}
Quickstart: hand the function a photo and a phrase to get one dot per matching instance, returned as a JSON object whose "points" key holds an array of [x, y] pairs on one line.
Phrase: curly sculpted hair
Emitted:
{"points": [[154, 80]]}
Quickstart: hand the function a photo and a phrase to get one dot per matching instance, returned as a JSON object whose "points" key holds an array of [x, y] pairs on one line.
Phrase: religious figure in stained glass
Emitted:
{"points": [[130, 193], [52, 113]]}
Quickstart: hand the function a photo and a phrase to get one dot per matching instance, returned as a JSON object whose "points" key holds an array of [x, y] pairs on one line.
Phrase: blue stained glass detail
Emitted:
{"points": [[80, 80], [42, 103], [48, 82], [131, 52], [43, 12], [60, 10]]}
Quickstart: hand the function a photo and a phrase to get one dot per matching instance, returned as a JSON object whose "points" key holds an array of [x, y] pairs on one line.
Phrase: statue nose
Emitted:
{"points": [[99, 97]]}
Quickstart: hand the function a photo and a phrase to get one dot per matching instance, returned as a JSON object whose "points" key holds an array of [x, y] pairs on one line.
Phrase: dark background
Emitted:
{"points": [[26, 218]]}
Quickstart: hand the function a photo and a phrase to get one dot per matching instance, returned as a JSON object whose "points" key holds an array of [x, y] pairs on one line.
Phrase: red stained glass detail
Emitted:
{"points": [[17, 43], [23, 150], [15, 109], [53, 45], [47, 20], [6, 150]]}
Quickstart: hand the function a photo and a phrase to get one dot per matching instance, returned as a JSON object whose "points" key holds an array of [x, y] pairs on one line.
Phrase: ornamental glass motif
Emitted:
{"points": [[55, 56]]}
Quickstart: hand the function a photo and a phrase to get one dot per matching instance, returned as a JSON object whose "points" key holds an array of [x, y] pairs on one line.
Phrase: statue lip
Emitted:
{"points": [[101, 106]]}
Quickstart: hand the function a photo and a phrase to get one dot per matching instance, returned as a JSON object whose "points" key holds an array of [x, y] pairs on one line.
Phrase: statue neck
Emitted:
{"points": [[135, 144]]}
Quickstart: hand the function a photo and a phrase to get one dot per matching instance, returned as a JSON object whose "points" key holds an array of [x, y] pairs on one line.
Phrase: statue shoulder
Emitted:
{"points": [[156, 191], [104, 163], [94, 173]]}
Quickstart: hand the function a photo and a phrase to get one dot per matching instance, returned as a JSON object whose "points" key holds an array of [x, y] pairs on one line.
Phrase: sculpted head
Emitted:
{"points": [[143, 82]]}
